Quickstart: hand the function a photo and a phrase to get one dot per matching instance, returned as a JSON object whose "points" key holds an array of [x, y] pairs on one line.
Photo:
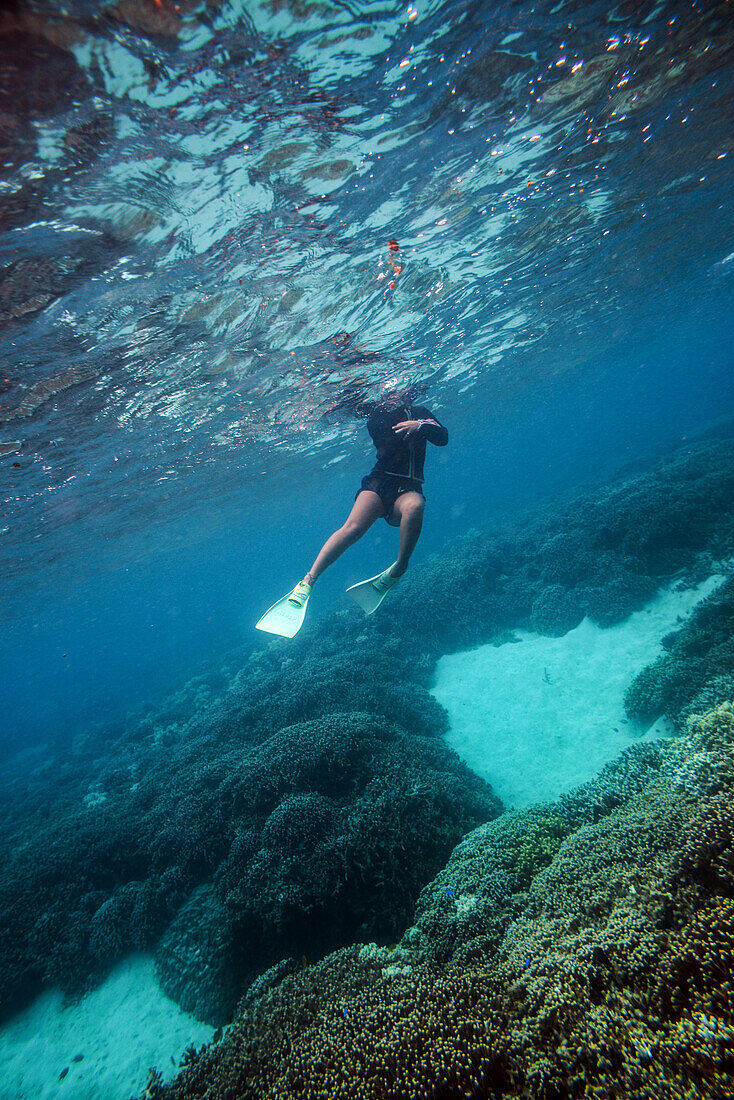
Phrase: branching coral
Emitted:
{"points": [[356, 1027], [702, 762], [342, 818], [708, 853], [539, 845]]}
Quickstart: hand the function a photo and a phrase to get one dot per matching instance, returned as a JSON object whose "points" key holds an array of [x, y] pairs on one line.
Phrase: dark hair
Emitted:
{"points": [[352, 400], [407, 394]]}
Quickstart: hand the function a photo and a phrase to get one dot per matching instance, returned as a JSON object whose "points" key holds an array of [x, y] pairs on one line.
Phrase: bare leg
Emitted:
{"points": [[409, 507], [367, 508]]}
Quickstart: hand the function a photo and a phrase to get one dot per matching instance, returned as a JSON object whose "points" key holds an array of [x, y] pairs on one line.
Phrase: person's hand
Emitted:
{"points": [[407, 427]]}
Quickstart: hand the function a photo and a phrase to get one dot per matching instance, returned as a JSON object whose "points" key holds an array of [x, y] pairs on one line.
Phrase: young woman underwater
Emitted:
{"points": [[392, 490]]}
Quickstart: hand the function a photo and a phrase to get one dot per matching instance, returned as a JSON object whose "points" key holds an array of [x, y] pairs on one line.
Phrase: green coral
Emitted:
{"points": [[539, 845]]}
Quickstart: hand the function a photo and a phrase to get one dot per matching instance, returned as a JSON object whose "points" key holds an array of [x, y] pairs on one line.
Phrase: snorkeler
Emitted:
{"points": [[393, 490]]}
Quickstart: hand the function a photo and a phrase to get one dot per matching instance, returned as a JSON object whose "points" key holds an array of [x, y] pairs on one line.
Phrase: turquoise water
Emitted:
{"points": [[198, 300]]}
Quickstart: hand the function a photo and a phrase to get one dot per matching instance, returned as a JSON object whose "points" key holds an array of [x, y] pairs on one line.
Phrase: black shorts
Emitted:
{"points": [[389, 488]]}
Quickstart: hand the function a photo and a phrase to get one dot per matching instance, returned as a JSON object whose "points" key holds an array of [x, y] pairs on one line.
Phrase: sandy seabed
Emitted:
{"points": [[538, 716], [120, 1030]]}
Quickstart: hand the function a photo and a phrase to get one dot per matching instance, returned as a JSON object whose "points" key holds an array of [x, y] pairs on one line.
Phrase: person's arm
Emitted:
{"points": [[431, 428]]}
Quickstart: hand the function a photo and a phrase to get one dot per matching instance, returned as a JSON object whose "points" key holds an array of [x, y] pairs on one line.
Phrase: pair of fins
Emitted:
{"points": [[286, 616]]}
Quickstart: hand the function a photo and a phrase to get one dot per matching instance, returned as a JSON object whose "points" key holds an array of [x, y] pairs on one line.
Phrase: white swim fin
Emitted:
{"points": [[369, 594], [286, 616]]}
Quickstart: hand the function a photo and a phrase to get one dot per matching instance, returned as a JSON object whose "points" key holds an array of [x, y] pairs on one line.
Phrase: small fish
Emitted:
{"points": [[63, 1073], [77, 1057], [451, 893]]}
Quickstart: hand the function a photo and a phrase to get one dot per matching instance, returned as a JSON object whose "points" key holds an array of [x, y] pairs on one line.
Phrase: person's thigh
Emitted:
{"points": [[410, 502], [366, 509]]}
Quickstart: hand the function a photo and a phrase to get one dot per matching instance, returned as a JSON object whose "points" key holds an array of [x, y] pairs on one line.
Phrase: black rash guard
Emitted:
{"points": [[401, 457]]}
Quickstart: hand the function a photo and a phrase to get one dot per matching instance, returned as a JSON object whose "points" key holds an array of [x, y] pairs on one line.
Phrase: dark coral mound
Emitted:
{"points": [[235, 854], [613, 979]]}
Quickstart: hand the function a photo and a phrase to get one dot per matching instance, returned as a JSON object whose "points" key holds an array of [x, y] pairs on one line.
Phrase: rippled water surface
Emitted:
{"points": [[196, 205]]}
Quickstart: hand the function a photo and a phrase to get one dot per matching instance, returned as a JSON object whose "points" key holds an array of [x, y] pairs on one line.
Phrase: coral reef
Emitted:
{"points": [[464, 912], [356, 1025], [324, 832], [696, 665], [615, 784], [198, 960], [603, 556], [614, 980], [303, 798]]}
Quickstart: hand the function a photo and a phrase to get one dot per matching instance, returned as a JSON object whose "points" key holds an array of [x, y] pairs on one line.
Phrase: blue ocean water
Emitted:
{"points": [[198, 293]]}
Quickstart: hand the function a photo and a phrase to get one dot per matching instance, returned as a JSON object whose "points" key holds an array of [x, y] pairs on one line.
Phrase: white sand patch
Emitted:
{"points": [[121, 1030], [538, 716]]}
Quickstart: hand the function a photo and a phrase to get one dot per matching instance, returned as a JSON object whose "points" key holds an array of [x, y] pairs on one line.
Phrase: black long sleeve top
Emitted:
{"points": [[398, 456]]}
